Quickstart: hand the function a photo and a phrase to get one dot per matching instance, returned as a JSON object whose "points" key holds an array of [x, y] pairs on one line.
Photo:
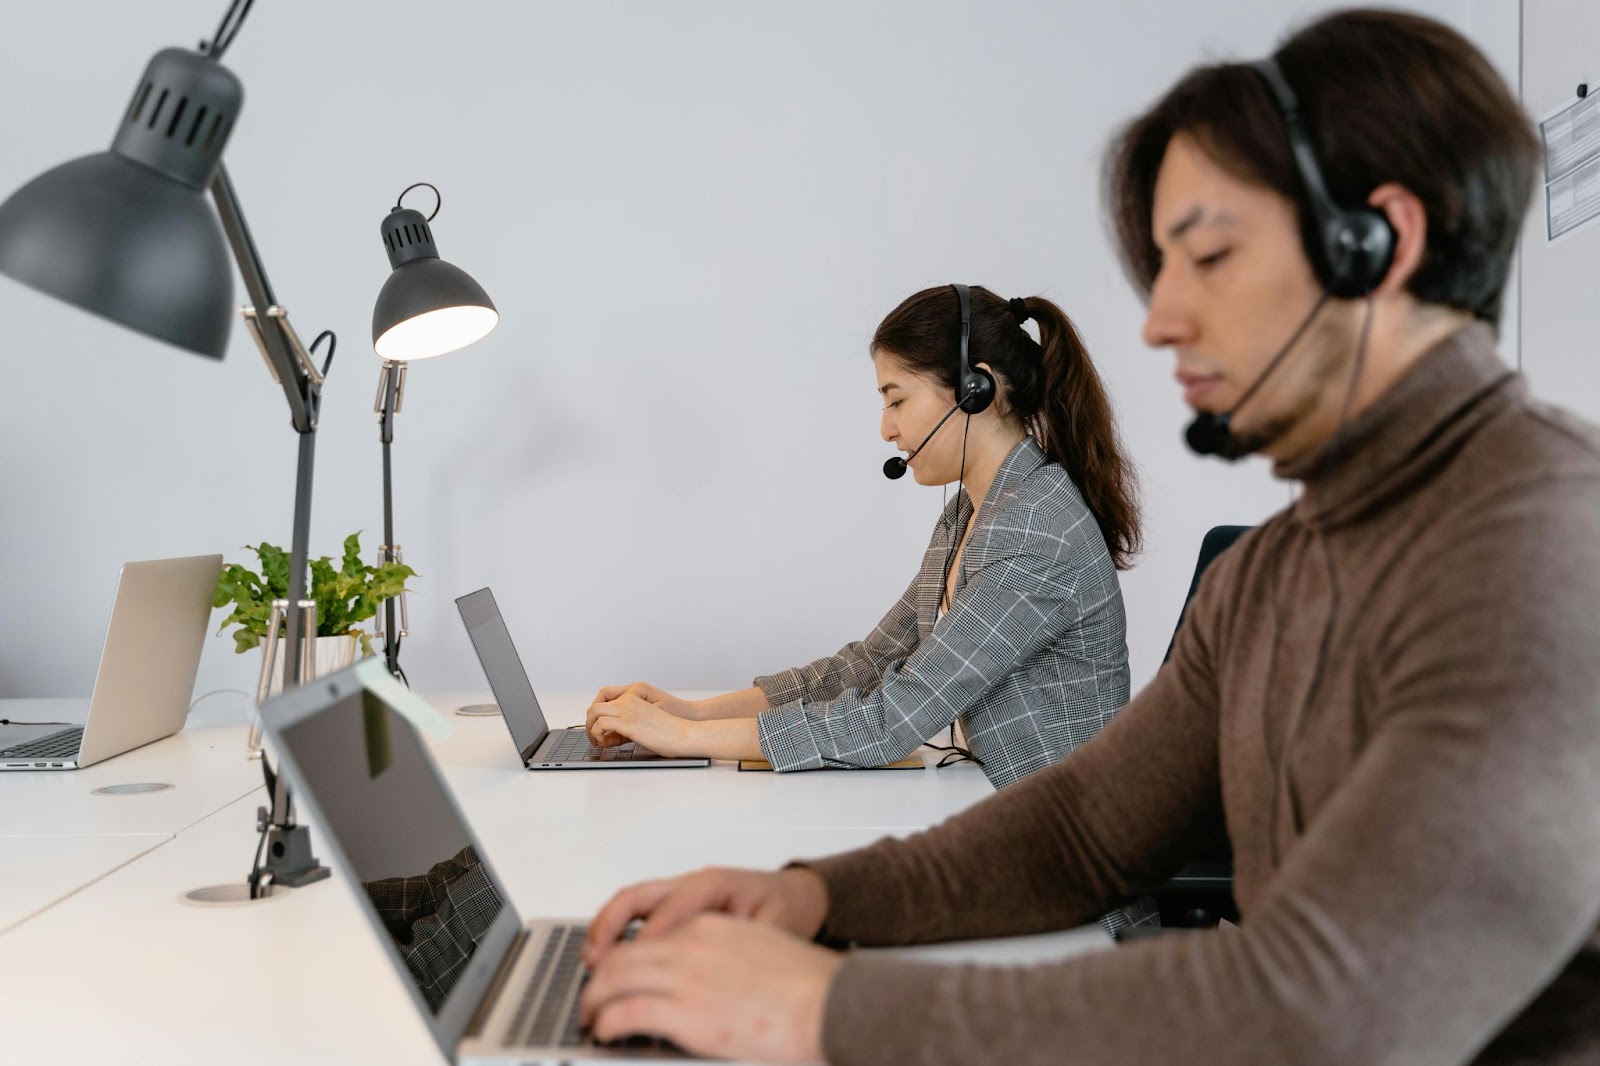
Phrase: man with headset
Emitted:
{"points": [[1389, 693]]}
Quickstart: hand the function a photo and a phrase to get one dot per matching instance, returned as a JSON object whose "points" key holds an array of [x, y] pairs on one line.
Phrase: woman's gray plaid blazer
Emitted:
{"points": [[1031, 656]]}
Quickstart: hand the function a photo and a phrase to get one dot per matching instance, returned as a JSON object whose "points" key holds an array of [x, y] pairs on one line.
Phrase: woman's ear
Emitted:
{"points": [[1002, 390]]}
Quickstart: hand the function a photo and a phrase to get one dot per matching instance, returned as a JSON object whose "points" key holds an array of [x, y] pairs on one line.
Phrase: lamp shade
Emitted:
{"points": [[127, 233], [124, 242], [427, 306]]}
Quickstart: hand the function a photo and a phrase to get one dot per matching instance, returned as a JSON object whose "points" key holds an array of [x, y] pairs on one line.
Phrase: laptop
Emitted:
{"points": [[540, 747], [147, 669], [489, 987]]}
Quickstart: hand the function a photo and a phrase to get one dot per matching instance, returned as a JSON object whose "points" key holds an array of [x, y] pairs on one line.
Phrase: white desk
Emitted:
{"points": [[127, 964], [482, 760], [57, 835], [38, 872], [205, 763], [124, 966]]}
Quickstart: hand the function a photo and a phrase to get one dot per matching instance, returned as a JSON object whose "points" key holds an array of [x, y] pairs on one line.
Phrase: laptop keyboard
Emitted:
{"points": [[574, 746], [551, 1020], [563, 952], [52, 746]]}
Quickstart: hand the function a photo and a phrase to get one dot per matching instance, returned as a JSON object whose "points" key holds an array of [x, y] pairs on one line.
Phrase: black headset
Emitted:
{"points": [[975, 389], [974, 392], [1353, 250], [1355, 245]]}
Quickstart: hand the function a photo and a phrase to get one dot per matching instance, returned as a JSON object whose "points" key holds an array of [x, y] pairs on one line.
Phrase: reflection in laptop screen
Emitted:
{"points": [[402, 841], [503, 667]]}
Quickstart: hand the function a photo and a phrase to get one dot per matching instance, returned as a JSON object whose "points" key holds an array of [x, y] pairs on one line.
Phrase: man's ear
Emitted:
{"points": [[1409, 220]]}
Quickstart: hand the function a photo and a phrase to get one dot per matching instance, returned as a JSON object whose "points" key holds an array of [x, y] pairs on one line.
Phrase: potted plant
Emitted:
{"points": [[345, 597]]}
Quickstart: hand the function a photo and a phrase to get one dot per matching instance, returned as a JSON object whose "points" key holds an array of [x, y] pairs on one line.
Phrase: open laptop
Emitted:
{"points": [[147, 669], [490, 988], [541, 747]]}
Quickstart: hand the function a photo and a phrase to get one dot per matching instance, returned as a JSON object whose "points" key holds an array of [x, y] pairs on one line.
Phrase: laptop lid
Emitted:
{"points": [[508, 680], [384, 813], [151, 654]]}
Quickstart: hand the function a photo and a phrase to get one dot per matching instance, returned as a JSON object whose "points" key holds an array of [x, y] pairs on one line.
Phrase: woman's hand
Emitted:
{"points": [[719, 986], [794, 899], [688, 710], [630, 717]]}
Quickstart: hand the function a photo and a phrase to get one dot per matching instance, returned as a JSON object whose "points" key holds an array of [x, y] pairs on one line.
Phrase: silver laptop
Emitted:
{"points": [[489, 987], [541, 747], [147, 669]]}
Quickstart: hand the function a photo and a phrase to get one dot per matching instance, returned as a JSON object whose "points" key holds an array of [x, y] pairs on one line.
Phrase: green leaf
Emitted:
{"points": [[352, 554], [345, 597], [274, 569]]}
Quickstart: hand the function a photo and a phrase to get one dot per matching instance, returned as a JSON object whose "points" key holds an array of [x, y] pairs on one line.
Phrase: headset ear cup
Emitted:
{"points": [[1351, 249], [1359, 246], [977, 391]]}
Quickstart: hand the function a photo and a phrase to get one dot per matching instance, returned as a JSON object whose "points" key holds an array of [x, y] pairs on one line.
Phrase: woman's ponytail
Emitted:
{"points": [[1074, 426]]}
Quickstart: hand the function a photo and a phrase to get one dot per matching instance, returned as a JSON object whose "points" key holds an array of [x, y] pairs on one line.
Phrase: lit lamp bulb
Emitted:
{"points": [[427, 307]]}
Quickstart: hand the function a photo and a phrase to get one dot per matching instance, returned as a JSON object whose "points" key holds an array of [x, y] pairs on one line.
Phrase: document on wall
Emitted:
{"points": [[1571, 136]]}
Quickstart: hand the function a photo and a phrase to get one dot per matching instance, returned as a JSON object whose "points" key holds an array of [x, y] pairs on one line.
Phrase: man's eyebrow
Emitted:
{"points": [[1194, 217]]}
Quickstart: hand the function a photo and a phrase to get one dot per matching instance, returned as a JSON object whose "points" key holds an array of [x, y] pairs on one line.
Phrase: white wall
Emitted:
{"points": [[1560, 315], [691, 215]]}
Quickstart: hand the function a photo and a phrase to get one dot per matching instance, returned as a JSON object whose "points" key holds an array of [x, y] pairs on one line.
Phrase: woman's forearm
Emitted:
{"points": [[724, 738], [745, 703]]}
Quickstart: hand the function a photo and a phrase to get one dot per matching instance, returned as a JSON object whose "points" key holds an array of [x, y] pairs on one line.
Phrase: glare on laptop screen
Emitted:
{"points": [[386, 806], [503, 667]]}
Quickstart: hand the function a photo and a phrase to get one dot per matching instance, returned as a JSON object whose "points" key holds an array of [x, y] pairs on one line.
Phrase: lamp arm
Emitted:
{"points": [[293, 370], [288, 859], [287, 369], [391, 386]]}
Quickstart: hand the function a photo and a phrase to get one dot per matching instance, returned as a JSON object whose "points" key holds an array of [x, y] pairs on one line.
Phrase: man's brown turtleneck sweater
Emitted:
{"points": [[1390, 694]]}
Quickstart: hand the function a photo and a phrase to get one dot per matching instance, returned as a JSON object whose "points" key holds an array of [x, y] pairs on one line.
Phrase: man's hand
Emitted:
{"points": [[716, 985], [794, 900]]}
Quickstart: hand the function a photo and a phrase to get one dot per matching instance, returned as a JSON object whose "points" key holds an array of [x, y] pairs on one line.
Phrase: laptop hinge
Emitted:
{"points": [[491, 995]]}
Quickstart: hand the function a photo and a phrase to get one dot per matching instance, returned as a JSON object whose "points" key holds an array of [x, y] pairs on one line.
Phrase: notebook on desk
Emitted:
{"points": [[490, 987], [910, 762], [147, 669], [540, 747]]}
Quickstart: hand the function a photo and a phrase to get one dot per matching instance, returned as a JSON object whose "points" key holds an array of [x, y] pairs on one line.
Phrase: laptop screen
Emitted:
{"points": [[503, 667], [393, 827]]}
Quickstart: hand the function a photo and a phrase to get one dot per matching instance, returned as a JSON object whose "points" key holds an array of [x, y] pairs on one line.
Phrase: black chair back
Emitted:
{"points": [[1217, 540], [1201, 893]]}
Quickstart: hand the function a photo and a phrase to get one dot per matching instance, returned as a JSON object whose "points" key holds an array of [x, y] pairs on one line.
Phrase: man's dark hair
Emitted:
{"points": [[1387, 97]]}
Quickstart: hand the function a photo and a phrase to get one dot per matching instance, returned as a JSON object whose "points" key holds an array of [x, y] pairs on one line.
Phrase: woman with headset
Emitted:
{"points": [[1013, 626]]}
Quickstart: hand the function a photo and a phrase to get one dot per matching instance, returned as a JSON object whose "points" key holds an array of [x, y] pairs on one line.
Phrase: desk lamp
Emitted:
{"points": [[427, 307], [127, 235]]}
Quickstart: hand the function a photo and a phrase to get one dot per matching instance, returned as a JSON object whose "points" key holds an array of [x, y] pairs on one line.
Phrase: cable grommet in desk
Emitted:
{"points": [[134, 788], [233, 894]]}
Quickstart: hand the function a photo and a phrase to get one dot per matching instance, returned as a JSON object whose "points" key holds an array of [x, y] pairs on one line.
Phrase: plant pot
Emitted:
{"points": [[332, 654]]}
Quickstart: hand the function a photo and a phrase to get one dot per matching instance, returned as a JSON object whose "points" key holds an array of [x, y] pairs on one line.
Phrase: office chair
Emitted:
{"points": [[1201, 893]]}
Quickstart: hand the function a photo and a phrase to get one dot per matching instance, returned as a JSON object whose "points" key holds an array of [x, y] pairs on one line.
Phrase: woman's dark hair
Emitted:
{"points": [[1386, 97], [1049, 385]]}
